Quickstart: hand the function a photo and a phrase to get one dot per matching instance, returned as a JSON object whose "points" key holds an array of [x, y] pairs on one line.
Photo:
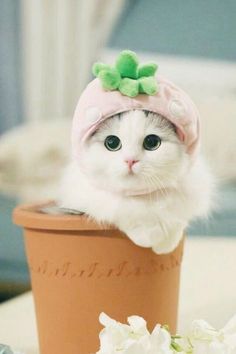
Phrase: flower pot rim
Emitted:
{"points": [[29, 216]]}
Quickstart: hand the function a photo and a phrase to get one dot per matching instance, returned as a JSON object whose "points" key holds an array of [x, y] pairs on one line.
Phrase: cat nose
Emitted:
{"points": [[131, 162]]}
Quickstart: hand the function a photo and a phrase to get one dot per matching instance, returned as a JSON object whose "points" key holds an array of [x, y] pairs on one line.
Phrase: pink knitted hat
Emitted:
{"points": [[96, 104]]}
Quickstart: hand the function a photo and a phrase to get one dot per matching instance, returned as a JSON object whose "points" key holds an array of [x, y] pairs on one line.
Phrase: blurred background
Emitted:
{"points": [[46, 52]]}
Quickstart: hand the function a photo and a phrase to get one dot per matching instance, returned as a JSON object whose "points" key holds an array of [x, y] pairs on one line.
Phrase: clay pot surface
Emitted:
{"points": [[80, 269]]}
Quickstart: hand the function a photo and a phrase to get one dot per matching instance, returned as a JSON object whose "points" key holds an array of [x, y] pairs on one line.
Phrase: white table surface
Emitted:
{"points": [[208, 290]]}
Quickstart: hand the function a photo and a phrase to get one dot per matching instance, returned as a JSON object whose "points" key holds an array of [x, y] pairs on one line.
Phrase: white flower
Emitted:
{"points": [[207, 340], [133, 338], [160, 341], [229, 332]]}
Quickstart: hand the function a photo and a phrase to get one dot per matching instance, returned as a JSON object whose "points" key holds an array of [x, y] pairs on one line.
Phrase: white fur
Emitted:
{"points": [[177, 187]]}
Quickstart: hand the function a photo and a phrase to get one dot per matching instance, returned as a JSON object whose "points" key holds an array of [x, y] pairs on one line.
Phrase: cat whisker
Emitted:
{"points": [[150, 185], [154, 181], [163, 189]]}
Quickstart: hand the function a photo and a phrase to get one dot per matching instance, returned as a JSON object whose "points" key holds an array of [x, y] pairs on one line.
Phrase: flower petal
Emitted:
{"points": [[200, 329], [230, 327], [138, 324], [105, 320]]}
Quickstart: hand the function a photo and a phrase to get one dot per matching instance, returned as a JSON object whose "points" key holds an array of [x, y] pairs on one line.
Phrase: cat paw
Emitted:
{"points": [[168, 243], [161, 240], [140, 236]]}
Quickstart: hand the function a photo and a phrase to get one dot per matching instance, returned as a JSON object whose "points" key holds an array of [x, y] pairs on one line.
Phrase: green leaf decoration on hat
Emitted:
{"points": [[97, 67], [127, 64], [148, 69], [129, 87], [148, 85], [110, 78], [128, 76]]}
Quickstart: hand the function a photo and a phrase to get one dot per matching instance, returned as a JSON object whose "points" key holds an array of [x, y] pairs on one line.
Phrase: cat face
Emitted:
{"points": [[134, 151]]}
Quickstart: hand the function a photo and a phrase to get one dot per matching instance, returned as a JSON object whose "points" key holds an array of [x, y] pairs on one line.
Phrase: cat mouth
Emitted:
{"points": [[131, 173]]}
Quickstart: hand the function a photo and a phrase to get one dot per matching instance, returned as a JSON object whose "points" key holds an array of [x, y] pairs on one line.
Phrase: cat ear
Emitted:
{"points": [[92, 115]]}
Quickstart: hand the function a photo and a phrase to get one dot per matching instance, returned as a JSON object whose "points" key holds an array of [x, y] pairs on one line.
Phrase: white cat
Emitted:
{"points": [[135, 173]]}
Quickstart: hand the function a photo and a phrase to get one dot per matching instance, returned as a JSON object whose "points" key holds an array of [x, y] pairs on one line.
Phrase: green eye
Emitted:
{"points": [[151, 142], [112, 143]]}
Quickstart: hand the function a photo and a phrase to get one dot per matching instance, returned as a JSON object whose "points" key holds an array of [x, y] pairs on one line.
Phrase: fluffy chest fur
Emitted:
{"points": [[142, 181]]}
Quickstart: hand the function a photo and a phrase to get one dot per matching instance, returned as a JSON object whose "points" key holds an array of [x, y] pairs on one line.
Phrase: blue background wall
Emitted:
{"points": [[10, 65], [184, 27]]}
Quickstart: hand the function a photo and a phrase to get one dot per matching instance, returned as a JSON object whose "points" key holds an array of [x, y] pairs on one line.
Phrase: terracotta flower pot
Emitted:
{"points": [[79, 269]]}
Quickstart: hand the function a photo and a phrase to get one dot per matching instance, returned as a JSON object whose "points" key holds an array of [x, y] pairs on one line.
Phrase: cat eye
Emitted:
{"points": [[112, 143], [151, 142]]}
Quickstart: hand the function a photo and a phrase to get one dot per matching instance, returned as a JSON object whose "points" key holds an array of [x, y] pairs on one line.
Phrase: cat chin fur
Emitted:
{"points": [[157, 219]]}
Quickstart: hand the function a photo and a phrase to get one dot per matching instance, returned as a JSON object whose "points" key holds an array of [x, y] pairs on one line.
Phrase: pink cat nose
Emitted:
{"points": [[131, 162]]}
